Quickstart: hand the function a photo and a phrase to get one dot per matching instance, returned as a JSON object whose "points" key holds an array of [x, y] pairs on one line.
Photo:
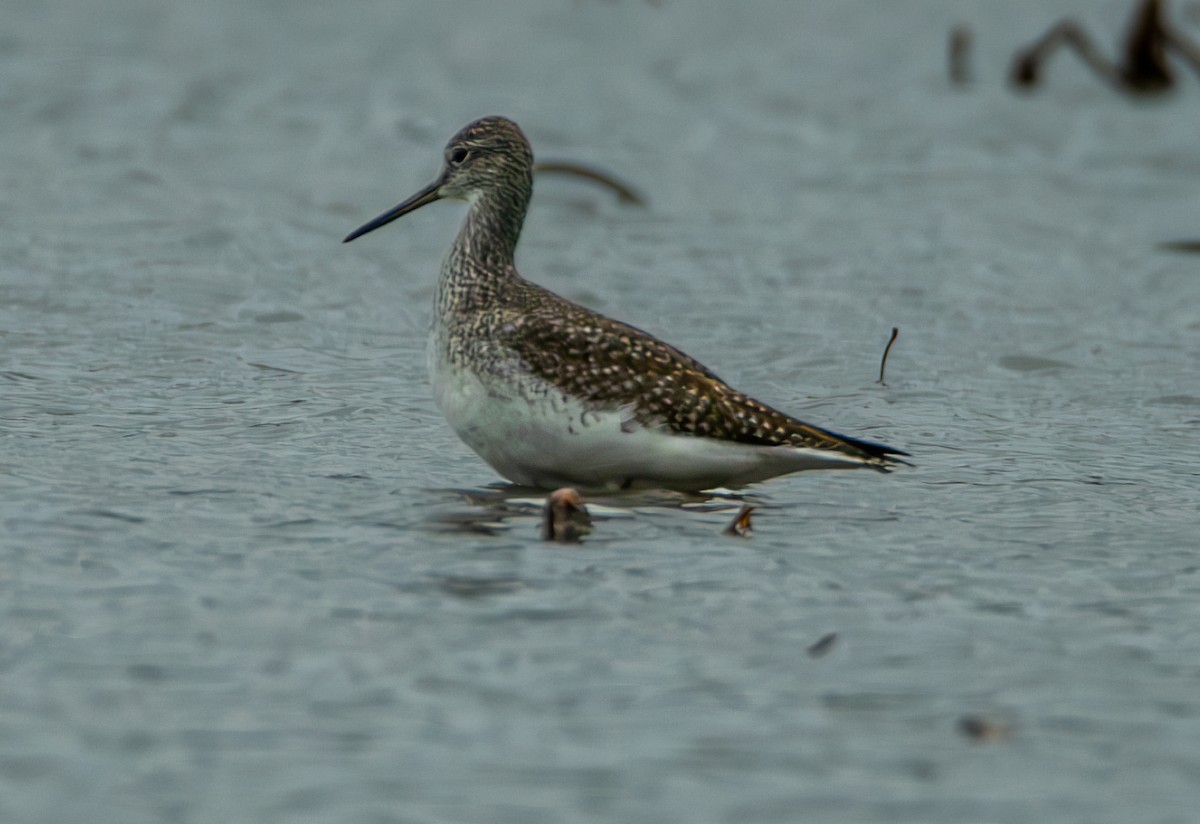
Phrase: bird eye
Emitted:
{"points": [[459, 155]]}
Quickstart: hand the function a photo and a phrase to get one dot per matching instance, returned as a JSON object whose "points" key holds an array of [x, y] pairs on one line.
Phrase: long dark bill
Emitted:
{"points": [[426, 195]]}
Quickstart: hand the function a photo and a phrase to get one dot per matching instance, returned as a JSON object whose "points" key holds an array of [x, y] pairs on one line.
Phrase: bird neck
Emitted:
{"points": [[493, 225], [478, 271]]}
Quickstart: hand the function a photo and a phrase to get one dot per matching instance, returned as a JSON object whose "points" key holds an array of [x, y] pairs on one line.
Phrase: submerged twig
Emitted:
{"points": [[625, 192], [959, 55], [1180, 245], [740, 526], [822, 645], [886, 350], [978, 728], [565, 519]]}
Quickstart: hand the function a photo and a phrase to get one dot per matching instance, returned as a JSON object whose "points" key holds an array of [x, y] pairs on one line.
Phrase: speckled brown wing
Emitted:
{"points": [[613, 364]]}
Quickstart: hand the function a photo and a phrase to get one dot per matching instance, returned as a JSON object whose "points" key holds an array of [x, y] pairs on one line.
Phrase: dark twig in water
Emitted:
{"points": [[886, 350], [1141, 67], [978, 728], [740, 526], [625, 192], [960, 55], [1192, 246], [822, 645], [565, 519]]}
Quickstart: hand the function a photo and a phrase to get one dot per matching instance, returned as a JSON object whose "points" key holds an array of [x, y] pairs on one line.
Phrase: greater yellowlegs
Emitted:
{"points": [[553, 394]]}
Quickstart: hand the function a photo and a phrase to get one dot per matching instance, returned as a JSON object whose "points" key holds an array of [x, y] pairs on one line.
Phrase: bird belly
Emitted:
{"points": [[533, 434]]}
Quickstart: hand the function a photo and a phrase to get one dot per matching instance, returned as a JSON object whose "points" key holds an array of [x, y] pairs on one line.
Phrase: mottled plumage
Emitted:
{"points": [[550, 392]]}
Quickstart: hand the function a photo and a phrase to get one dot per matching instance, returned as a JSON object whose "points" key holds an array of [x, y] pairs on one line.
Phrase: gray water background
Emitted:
{"points": [[237, 583]]}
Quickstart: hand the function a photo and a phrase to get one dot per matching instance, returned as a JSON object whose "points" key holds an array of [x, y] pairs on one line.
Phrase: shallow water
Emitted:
{"points": [[248, 574]]}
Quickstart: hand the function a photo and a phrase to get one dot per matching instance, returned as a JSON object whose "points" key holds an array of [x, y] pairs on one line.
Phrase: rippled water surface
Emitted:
{"points": [[247, 574]]}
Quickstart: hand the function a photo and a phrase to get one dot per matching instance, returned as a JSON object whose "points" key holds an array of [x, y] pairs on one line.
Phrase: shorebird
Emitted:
{"points": [[553, 394]]}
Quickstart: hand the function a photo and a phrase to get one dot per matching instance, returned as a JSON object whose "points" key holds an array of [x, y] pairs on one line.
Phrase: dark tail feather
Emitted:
{"points": [[887, 456]]}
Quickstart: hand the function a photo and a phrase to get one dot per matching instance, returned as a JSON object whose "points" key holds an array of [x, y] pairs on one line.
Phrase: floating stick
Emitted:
{"points": [[625, 192], [565, 519], [822, 645], [740, 526], [886, 350], [960, 55], [978, 728], [1141, 67]]}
